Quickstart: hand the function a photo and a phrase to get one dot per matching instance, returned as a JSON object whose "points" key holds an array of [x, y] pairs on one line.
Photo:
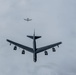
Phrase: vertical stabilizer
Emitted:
{"points": [[36, 37]]}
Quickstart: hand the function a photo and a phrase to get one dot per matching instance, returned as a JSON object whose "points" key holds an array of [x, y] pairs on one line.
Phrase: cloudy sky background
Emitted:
{"points": [[54, 20]]}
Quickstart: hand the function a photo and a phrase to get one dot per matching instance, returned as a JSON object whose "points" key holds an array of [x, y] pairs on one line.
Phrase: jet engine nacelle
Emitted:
{"points": [[23, 51], [15, 48], [10, 43], [53, 49], [46, 53], [58, 46]]}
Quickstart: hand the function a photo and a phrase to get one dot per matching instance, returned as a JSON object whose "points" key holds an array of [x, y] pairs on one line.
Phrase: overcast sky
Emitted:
{"points": [[54, 20]]}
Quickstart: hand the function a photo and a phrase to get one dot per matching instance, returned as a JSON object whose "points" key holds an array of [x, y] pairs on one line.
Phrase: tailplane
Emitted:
{"points": [[36, 37]]}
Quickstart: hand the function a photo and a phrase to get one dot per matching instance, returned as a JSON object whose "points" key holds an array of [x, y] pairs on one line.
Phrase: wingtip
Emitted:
{"points": [[61, 42], [6, 39]]}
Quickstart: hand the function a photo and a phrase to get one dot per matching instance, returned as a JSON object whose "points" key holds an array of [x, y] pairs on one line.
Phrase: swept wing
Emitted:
{"points": [[21, 46], [47, 47]]}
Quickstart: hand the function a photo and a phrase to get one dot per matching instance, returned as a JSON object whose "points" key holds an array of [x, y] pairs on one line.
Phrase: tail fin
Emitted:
{"points": [[36, 37]]}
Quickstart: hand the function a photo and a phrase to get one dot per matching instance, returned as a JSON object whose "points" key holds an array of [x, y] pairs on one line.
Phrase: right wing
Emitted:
{"points": [[21, 46], [47, 47]]}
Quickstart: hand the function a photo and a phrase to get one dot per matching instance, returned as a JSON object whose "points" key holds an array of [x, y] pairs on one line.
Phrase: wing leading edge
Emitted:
{"points": [[21, 46], [47, 47]]}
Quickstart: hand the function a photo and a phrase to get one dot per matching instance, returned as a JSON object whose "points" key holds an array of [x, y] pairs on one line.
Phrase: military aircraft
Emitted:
{"points": [[27, 19], [34, 50]]}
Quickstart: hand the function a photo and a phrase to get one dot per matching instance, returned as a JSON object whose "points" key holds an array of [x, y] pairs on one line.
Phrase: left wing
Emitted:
{"points": [[25, 19], [21, 46], [47, 47]]}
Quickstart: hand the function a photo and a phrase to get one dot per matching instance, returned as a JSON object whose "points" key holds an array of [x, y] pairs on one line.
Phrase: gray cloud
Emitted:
{"points": [[53, 20]]}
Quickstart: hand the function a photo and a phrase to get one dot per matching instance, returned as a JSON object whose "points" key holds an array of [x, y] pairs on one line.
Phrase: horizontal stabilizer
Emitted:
{"points": [[36, 37], [30, 36]]}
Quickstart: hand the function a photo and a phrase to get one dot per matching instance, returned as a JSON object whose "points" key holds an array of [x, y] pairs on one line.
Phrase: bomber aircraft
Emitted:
{"points": [[34, 50], [27, 19]]}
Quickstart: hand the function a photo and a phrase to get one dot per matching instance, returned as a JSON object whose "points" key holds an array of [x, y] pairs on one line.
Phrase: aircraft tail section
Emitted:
{"points": [[36, 37], [30, 36]]}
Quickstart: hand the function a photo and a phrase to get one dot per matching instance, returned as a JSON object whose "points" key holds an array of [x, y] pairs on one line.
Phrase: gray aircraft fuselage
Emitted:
{"points": [[34, 48]]}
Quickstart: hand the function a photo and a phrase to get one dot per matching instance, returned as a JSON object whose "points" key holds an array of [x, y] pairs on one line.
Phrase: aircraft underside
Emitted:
{"points": [[34, 50], [35, 57]]}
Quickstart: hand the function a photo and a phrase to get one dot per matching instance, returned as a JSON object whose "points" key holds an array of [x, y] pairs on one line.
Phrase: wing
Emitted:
{"points": [[25, 19], [21, 46], [47, 47]]}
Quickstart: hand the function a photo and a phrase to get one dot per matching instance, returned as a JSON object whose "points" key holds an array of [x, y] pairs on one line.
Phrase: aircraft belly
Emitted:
{"points": [[35, 57]]}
